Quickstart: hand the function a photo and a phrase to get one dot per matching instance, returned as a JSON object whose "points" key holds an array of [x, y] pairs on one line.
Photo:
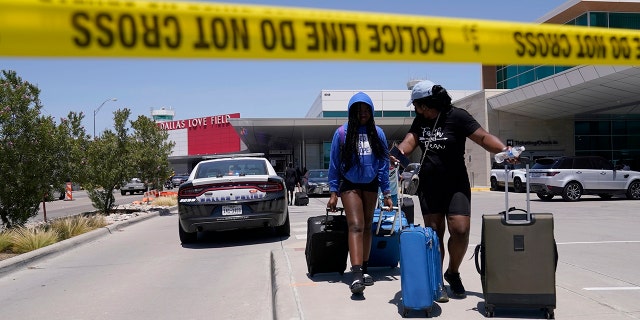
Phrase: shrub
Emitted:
{"points": [[5, 242], [28, 239], [70, 226], [96, 221]]}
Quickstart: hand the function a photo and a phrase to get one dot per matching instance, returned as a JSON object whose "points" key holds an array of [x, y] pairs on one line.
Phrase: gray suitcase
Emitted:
{"points": [[517, 259]]}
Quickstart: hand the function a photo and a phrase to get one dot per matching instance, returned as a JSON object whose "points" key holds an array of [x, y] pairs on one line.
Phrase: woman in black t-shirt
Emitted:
{"points": [[444, 192]]}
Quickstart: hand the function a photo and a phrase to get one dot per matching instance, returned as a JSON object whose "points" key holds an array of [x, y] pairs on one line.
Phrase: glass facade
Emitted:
{"points": [[513, 76], [613, 137]]}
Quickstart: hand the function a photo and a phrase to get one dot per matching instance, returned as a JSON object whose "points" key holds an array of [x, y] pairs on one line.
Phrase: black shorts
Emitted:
{"points": [[347, 185], [447, 198]]}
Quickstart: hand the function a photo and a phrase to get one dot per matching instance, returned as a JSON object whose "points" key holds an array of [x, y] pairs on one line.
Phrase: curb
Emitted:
{"points": [[18, 262], [284, 302]]}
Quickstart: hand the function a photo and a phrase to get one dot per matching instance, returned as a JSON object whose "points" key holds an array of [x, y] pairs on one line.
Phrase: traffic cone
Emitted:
{"points": [[68, 193]]}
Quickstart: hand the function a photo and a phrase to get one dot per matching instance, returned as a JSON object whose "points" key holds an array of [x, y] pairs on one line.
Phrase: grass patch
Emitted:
{"points": [[29, 239], [25, 239], [70, 227], [165, 201], [5, 241], [96, 221]]}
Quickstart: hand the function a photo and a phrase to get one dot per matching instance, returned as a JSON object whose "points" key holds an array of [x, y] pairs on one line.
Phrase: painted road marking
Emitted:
{"points": [[610, 288]]}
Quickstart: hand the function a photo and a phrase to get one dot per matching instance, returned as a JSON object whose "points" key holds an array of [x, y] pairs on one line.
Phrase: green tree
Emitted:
{"points": [[73, 148], [29, 145], [117, 156], [150, 151], [108, 163]]}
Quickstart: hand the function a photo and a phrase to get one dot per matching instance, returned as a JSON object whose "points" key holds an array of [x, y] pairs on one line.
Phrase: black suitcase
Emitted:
{"points": [[408, 208], [517, 259], [327, 247], [300, 199]]}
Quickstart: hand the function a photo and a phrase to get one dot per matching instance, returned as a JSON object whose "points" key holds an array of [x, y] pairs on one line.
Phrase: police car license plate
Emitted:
{"points": [[231, 210]]}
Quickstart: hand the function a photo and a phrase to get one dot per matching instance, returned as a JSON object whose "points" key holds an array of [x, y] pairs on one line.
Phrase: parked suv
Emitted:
{"points": [[517, 177], [572, 177]]}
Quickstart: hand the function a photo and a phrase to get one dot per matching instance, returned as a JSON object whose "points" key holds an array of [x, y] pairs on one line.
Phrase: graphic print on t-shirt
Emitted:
{"points": [[436, 138], [364, 148]]}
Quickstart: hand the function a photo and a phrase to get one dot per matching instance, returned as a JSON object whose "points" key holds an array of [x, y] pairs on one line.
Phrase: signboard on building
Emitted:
{"points": [[203, 136]]}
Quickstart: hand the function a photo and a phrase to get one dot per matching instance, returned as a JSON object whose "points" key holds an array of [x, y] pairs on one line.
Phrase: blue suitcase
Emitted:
{"points": [[420, 269], [385, 242]]}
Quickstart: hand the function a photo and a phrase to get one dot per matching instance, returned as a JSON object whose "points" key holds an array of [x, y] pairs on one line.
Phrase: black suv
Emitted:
{"points": [[572, 177]]}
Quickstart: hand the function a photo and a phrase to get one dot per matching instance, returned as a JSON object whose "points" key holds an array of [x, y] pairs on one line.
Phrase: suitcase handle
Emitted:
{"points": [[395, 217], [476, 254], [326, 219], [528, 216], [341, 209]]}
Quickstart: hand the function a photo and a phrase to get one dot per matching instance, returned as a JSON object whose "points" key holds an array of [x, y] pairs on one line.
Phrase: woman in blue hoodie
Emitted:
{"points": [[359, 165]]}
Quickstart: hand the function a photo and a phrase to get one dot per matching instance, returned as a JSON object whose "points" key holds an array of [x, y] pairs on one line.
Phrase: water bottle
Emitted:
{"points": [[514, 152]]}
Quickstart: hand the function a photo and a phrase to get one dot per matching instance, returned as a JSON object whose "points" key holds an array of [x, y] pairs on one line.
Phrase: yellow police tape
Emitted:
{"points": [[154, 29]]}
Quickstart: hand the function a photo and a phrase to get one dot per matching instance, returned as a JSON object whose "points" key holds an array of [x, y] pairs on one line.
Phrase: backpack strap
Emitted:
{"points": [[342, 134]]}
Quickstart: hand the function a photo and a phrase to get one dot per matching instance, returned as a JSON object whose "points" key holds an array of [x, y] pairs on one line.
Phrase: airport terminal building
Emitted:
{"points": [[551, 110]]}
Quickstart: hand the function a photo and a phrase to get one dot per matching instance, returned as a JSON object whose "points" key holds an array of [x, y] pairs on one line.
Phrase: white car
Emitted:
{"points": [[572, 177], [135, 185], [232, 192], [517, 176]]}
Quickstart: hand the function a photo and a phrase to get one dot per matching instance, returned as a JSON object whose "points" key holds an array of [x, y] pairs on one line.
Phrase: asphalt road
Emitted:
{"points": [[143, 272]]}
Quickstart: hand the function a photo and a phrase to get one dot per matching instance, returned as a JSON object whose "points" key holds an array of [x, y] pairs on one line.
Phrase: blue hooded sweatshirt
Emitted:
{"points": [[370, 166]]}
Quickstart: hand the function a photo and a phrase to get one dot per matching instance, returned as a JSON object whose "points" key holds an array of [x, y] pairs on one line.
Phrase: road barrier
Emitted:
{"points": [[151, 195], [68, 192]]}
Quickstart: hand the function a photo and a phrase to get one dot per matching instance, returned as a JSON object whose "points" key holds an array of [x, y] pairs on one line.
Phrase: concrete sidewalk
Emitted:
{"points": [[327, 295]]}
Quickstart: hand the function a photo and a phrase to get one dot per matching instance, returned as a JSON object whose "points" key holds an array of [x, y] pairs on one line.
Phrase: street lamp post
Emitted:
{"points": [[96, 112]]}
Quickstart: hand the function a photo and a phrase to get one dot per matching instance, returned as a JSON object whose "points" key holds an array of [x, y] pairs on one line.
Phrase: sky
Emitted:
{"points": [[255, 88]]}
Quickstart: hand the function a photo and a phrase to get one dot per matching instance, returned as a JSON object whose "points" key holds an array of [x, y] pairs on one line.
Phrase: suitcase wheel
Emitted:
{"points": [[405, 312], [488, 312], [549, 314]]}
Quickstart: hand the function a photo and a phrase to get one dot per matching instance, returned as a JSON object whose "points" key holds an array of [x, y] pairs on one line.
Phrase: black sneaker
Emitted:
{"points": [[455, 284], [368, 280], [357, 287]]}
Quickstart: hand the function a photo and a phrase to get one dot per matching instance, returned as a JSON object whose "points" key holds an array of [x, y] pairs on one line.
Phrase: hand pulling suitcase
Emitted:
{"points": [[386, 226], [517, 259], [327, 247], [420, 269], [385, 240], [300, 198]]}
